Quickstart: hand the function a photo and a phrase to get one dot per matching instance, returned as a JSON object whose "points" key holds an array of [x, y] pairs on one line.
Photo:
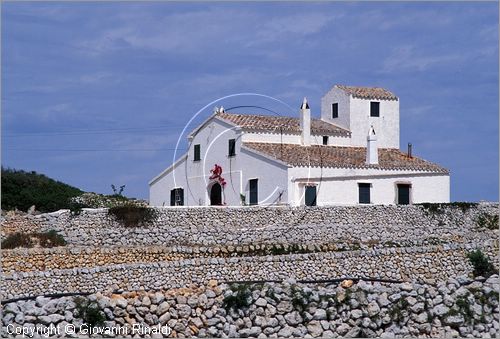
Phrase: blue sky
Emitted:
{"points": [[95, 94]]}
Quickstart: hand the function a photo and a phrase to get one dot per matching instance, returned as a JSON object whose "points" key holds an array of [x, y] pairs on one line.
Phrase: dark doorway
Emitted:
{"points": [[310, 198], [403, 194], [216, 194], [177, 197]]}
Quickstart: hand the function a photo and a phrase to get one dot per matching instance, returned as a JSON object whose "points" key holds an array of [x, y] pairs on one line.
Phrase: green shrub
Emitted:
{"points": [[465, 309], [238, 299], [89, 312], [481, 263], [243, 199], [17, 240], [51, 239], [300, 299], [488, 221], [75, 208], [28, 240], [130, 215], [22, 190], [438, 208], [398, 311]]}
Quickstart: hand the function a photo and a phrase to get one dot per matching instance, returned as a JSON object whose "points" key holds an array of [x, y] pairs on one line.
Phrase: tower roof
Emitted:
{"points": [[377, 93]]}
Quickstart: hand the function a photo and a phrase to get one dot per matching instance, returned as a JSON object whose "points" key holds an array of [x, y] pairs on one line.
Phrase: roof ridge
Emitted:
{"points": [[271, 122]]}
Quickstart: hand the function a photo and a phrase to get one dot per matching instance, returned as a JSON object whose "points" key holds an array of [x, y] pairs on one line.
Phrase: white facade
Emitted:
{"points": [[354, 115], [339, 186], [193, 176], [254, 177]]}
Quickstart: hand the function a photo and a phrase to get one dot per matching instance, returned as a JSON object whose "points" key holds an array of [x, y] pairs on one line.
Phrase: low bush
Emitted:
{"points": [[238, 299], [488, 221], [89, 312], [481, 263], [76, 207], [399, 310], [17, 240], [300, 298], [50, 239], [438, 208], [131, 215], [45, 239]]}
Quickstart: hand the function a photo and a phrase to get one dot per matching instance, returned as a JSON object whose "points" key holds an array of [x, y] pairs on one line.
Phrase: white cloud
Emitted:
{"points": [[402, 18], [95, 78], [297, 25], [54, 112], [408, 58], [207, 32]]}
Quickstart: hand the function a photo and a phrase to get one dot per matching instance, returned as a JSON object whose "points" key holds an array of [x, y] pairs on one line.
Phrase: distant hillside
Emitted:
{"points": [[22, 190]]}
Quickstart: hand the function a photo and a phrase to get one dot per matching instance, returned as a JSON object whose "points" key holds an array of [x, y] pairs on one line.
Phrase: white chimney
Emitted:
{"points": [[305, 123], [371, 148]]}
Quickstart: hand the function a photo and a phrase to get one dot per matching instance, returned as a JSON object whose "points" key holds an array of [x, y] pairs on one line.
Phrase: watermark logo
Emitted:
{"points": [[71, 330]]}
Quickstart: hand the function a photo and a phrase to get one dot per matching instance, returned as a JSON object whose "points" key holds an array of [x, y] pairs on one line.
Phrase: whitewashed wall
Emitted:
{"points": [[354, 115], [386, 125], [293, 138], [336, 95], [340, 186], [193, 176]]}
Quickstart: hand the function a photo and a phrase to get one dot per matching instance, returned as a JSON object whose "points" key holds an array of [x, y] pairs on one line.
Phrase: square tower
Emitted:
{"points": [[359, 108]]}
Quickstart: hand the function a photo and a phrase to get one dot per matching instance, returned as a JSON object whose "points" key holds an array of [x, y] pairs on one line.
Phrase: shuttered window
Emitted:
{"points": [[374, 109], [197, 152], [232, 147], [364, 193], [325, 140], [254, 191], [335, 110]]}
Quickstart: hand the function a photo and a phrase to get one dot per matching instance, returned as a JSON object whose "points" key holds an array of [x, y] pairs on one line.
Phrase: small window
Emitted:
{"points": [[232, 147], [374, 109], [177, 197], [325, 140], [335, 110], [254, 191], [364, 193], [197, 152]]}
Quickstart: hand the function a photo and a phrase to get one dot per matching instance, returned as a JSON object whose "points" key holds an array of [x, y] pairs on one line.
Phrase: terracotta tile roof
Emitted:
{"points": [[368, 92], [342, 157], [273, 123]]}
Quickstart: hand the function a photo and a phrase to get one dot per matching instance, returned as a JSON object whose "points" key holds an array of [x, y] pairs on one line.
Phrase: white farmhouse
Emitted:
{"points": [[349, 156]]}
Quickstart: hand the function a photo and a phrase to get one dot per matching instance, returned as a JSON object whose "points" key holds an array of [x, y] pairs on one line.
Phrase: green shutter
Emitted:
{"points": [[364, 193], [172, 197], [254, 192], [197, 152], [232, 147], [374, 108]]}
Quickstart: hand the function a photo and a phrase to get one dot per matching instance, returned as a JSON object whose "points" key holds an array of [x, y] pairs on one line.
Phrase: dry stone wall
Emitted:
{"points": [[456, 307], [209, 226], [197, 244], [428, 264]]}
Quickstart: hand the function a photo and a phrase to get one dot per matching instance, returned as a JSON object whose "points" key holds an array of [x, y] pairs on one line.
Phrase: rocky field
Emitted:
{"points": [[458, 307]]}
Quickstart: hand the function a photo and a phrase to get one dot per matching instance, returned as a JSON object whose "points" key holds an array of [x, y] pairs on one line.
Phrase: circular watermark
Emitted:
{"points": [[213, 157]]}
